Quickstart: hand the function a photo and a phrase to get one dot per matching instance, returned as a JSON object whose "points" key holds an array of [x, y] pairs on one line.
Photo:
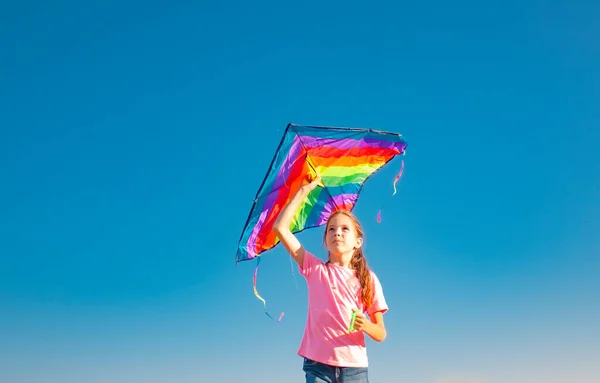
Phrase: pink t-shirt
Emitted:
{"points": [[333, 291]]}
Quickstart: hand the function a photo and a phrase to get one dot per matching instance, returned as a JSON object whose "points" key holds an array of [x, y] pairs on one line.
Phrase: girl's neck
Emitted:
{"points": [[342, 260]]}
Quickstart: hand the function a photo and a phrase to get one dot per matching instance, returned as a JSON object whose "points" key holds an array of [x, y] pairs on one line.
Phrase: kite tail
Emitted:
{"points": [[396, 179], [258, 295], [398, 176]]}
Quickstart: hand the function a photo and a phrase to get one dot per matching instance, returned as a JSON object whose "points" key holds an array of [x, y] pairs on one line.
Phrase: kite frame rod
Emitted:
{"points": [[356, 129]]}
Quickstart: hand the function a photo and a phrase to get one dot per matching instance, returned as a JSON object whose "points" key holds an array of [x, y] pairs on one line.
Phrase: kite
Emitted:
{"points": [[344, 158]]}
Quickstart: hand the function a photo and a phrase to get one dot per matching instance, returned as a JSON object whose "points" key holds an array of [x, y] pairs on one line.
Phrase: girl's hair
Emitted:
{"points": [[358, 261]]}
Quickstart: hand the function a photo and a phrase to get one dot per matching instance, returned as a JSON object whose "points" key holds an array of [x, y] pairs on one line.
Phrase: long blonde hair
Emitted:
{"points": [[358, 261]]}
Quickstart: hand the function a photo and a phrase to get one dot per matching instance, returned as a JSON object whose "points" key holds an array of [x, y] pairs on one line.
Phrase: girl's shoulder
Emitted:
{"points": [[374, 278], [311, 263]]}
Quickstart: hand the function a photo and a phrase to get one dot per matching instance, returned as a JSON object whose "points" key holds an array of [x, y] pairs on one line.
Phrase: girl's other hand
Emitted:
{"points": [[361, 322]]}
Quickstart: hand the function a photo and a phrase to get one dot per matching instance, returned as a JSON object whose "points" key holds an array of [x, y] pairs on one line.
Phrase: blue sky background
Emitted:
{"points": [[134, 136]]}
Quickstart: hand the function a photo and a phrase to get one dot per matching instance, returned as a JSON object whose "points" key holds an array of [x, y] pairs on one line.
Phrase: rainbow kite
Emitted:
{"points": [[344, 158]]}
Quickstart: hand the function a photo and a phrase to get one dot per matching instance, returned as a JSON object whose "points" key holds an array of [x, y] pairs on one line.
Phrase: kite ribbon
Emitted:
{"points": [[398, 176], [258, 295], [395, 182]]}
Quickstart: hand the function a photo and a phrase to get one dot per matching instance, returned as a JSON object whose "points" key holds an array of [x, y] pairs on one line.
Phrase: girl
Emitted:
{"points": [[332, 353]]}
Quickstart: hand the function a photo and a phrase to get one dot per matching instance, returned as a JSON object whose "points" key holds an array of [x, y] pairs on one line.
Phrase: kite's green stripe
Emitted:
{"points": [[345, 171]]}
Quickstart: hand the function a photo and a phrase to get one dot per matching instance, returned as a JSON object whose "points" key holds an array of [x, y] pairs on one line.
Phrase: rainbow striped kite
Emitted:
{"points": [[343, 157]]}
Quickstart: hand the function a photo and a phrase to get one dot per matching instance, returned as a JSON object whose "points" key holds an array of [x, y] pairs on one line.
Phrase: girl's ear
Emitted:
{"points": [[359, 243]]}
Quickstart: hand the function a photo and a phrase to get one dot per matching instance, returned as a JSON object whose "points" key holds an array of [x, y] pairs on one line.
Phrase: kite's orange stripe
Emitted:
{"points": [[283, 198], [266, 236], [324, 151]]}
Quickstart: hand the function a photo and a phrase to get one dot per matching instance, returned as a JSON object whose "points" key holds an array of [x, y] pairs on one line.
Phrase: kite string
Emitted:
{"points": [[258, 295]]}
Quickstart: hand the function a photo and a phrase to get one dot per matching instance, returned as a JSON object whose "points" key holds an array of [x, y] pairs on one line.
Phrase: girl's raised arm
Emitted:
{"points": [[281, 227]]}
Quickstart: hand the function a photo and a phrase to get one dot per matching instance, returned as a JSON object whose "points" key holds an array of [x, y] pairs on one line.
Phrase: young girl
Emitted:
{"points": [[336, 288]]}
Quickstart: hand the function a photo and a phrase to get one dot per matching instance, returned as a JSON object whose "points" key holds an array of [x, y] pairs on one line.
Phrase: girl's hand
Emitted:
{"points": [[373, 327], [361, 322], [310, 184]]}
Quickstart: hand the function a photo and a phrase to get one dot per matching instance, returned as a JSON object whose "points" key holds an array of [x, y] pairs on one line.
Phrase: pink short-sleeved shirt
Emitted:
{"points": [[333, 291]]}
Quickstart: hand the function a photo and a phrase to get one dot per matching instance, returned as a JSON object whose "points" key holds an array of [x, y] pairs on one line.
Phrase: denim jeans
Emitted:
{"points": [[323, 373]]}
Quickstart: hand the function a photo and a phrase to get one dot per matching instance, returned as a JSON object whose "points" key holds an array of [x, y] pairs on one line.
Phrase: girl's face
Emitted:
{"points": [[341, 237]]}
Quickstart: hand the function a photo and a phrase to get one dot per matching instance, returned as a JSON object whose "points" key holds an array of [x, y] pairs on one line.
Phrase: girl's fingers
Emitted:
{"points": [[360, 321]]}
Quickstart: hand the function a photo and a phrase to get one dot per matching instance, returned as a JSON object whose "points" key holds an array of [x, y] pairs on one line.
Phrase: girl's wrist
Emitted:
{"points": [[305, 189]]}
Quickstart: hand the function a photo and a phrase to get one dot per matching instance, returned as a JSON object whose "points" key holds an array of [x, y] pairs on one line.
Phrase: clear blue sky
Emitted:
{"points": [[134, 135]]}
